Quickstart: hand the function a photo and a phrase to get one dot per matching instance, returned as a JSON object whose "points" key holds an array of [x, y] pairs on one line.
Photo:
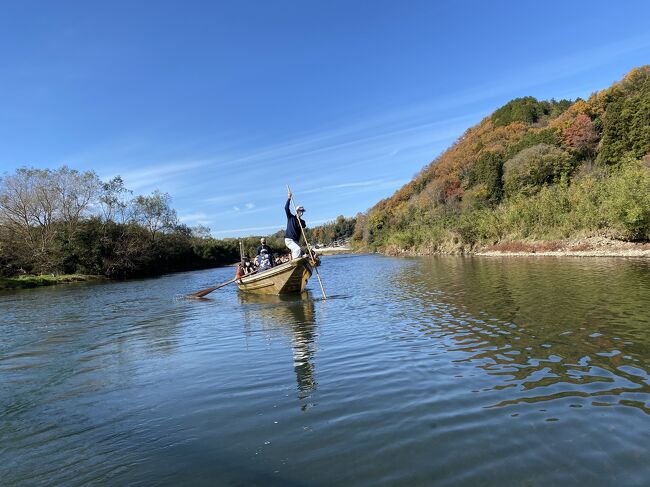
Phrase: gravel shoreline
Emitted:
{"points": [[569, 253], [584, 247], [580, 247]]}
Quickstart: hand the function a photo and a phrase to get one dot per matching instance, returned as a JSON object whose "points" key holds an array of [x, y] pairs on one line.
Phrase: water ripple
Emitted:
{"points": [[429, 371]]}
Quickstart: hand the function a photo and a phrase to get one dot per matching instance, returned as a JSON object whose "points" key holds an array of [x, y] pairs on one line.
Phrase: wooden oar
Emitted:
{"points": [[200, 294], [311, 252]]}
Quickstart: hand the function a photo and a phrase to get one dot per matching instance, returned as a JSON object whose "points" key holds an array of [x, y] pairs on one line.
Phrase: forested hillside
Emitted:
{"points": [[533, 170]]}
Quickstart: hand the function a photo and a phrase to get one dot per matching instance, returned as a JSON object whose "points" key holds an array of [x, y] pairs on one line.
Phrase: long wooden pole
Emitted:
{"points": [[311, 252]]}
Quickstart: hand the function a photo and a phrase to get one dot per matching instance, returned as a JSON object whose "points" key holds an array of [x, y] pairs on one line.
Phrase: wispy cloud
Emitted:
{"points": [[199, 218], [229, 197], [388, 132], [378, 132], [248, 230], [356, 184], [151, 176], [242, 212], [523, 78]]}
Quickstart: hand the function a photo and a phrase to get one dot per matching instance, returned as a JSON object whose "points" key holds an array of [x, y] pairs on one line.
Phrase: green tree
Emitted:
{"points": [[114, 201], [528, 110], [534, 167], [487, 174], [41, 207], [626, 123], [627, 201], [154, 212]]}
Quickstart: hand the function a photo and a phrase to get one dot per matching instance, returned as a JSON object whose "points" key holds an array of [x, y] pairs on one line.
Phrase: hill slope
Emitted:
{"points": [[533, 170]]}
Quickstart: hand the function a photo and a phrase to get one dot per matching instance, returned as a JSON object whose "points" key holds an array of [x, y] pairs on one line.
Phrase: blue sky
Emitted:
{"points": [[221, 104]]}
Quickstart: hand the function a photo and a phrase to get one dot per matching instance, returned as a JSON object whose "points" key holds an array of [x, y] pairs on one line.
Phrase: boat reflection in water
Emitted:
{"points": [[292, 314]]}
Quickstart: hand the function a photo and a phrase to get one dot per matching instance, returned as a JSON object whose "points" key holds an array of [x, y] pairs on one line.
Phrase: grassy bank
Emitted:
{"points": [[614, 206], [24, 282]]}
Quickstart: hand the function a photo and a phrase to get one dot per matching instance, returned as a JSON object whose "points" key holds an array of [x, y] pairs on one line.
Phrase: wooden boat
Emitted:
{"points": [[288, 278]]}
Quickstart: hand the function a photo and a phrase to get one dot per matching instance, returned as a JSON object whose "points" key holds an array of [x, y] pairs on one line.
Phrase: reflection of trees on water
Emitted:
{"points": [[294, 314], [549, 328]]}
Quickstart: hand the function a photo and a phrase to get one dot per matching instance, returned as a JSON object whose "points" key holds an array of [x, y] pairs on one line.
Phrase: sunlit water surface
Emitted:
{"points": [[429, 371]]}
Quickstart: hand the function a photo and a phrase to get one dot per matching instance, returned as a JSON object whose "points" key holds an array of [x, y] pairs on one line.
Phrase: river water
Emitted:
{"points": [[427, 371]]}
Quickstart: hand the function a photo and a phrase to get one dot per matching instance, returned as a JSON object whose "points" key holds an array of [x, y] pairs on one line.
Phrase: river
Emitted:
{"points": [[445, 371]]}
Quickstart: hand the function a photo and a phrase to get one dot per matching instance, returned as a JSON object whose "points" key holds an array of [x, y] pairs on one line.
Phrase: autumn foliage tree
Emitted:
{"points": [[581, 136]]}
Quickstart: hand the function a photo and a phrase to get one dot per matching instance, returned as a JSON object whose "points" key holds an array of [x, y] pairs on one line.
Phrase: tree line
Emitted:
{"points": [[66, 221], [63, 221]]}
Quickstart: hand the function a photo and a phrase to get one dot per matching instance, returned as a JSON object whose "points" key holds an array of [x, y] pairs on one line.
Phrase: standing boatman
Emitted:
{"points": [[292, 234]]}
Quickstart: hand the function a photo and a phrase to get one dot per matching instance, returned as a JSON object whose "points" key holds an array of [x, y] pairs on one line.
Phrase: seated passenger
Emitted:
{"points": [[248, 267], [264, 246], [264, 260]]}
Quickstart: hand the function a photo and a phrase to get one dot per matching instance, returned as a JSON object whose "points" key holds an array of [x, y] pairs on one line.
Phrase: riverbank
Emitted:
{"points": [[24, 282], [579, 247], [334, 250], [587, 247]]}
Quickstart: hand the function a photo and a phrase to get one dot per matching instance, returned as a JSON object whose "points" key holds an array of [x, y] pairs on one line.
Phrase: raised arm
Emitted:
{"points": [[287, 208]]}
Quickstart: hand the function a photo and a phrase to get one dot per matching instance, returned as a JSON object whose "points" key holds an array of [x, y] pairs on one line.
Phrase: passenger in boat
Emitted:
{"points": [[263, 246], [293, 232], [264, 260], [247, 268], [281, 259]]}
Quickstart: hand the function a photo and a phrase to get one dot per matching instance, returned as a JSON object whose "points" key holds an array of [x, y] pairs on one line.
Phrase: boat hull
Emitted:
{"points": [[288, 278]]}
